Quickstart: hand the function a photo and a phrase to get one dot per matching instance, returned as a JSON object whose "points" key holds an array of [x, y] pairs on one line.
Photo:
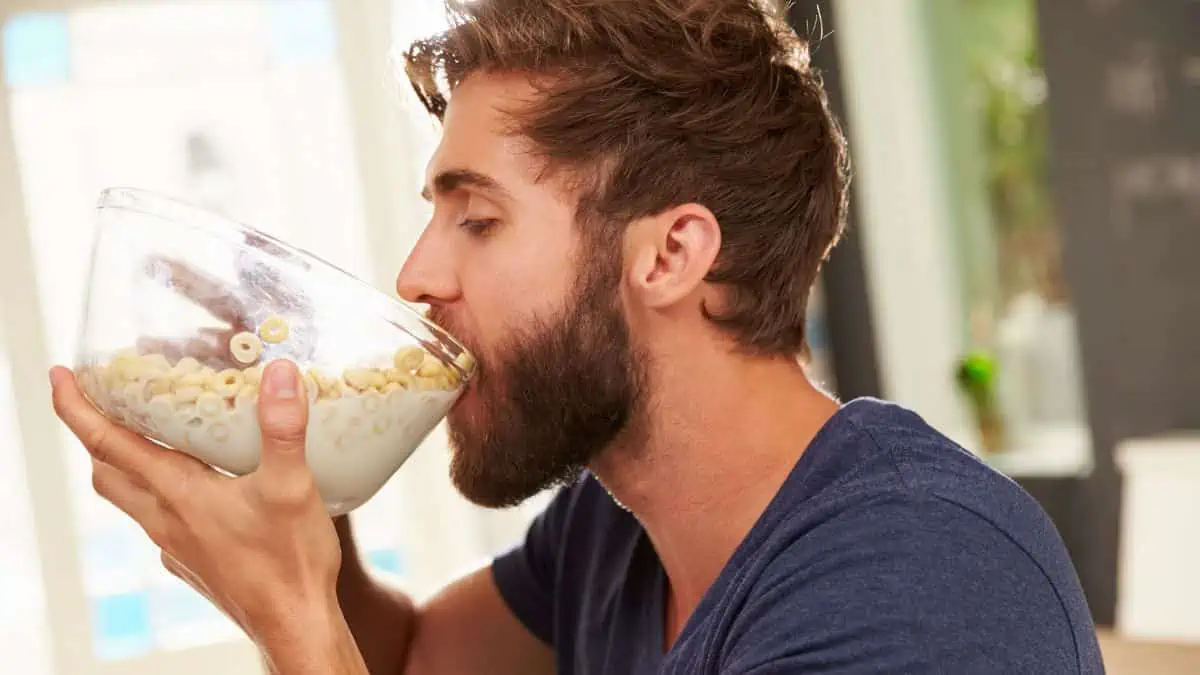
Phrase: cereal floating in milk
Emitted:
{"points": [[246, 347], [372, 416], [274, 330]]}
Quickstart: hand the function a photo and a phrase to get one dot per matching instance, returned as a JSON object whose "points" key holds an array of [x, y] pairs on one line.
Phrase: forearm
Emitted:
{"points": [[381, 619], [322, 647]]}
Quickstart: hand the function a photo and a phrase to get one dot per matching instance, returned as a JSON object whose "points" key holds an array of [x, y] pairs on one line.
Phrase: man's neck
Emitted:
{"points": [[720, 438]]}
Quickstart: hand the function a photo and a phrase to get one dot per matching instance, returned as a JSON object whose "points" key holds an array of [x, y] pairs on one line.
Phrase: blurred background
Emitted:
{"points": [[1021, 269]]}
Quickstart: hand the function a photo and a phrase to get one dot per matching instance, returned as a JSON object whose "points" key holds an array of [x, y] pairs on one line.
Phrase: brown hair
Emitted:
{"points": [[668, 102]]}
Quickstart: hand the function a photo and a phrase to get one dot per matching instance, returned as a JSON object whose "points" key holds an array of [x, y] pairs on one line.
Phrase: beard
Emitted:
{"points": [[551, 398]]}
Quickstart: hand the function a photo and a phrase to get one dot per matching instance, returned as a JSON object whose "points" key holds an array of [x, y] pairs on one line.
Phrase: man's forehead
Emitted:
{"points": [[477, 132]]}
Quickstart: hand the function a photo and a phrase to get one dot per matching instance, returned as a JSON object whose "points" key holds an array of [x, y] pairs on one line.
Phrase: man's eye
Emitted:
{"points": [[478, 225]]}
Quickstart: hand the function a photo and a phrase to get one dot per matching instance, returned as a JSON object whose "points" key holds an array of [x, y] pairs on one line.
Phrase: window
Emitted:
{"points": [[235, 105], [1017, 312]]}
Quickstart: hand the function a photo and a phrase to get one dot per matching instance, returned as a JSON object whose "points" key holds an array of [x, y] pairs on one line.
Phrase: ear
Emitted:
{"points": [[671, 253]]}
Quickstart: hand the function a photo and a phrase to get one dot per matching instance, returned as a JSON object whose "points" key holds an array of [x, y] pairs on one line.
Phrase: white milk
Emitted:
{"points": [[354, 444]]}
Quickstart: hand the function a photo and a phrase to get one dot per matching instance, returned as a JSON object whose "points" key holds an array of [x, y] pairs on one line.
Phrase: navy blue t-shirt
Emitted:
{"points": [[889, 549]]}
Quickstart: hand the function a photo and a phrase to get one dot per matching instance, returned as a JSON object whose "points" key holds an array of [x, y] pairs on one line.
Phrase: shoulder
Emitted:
{"points": [[912, 556]]}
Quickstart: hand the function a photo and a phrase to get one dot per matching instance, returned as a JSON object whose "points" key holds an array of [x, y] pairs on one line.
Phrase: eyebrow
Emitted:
{"points": [[449, 181]]}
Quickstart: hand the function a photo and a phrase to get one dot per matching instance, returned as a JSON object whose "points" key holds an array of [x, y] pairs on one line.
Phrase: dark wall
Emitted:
{"points": [[1124, 94]]}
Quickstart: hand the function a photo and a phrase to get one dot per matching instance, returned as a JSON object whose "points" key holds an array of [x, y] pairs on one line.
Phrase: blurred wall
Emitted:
{"points": [[1124, 80]]}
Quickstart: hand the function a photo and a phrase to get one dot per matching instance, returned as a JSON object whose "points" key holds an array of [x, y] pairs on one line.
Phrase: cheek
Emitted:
{"points": [[507, 291]]}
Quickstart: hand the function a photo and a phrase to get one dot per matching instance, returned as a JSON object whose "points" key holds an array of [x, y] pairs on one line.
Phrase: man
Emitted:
{"points": [[632, 199]]}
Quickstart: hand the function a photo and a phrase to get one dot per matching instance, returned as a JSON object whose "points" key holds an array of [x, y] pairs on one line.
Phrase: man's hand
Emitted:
{"points": [[261, 547]]}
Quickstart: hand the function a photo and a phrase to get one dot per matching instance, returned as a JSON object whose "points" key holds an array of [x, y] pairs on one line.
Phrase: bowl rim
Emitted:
{"points": [[159, 205]]}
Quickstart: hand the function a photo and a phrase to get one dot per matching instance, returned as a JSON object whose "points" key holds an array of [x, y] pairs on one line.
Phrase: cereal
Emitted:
{"points": [[157, 386], [311, 388], [409, 359], [245, 347], [363, 379], [186, 365], [465, 361], [210, 404], [247, 397], [199, 379], [123, 361], [155, 363], [371, 412], [424, 384], [229, 382], [431, 367], [138, 369], [253, 375], [162, 407], [184, 395], [274, 330], [325, 384], [400, 377], [127, 354], [133, 395], [117, 371]]}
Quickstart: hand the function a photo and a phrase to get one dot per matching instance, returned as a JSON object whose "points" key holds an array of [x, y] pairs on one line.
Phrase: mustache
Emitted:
{"points": [[440, 317]]}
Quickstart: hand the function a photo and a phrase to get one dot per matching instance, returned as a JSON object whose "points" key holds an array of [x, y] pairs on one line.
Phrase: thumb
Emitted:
{"points": [[282, 416]]}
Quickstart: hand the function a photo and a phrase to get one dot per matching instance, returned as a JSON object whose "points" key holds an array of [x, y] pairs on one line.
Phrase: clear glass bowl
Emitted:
{"points": [[183, 310]]}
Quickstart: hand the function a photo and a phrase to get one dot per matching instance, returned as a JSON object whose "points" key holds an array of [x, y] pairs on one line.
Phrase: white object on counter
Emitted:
{"points": [[1159, 565]]}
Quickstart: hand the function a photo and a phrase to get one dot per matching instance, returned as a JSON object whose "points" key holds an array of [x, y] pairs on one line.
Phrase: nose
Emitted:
{"points": [[429, 276]]}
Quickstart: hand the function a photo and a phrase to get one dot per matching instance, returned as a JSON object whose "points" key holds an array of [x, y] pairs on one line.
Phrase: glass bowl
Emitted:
{"points": [[183, 310]]}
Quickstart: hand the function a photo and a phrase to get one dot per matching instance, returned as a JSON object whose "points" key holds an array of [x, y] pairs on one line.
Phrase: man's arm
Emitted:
{"points": [[467, 628]]}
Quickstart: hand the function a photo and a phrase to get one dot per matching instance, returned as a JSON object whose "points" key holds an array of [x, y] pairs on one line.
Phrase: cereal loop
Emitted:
{"points": [[158, 386], [186, 365], [245, 347], [361, 378], [187, 394], [465, 361], [162, 407], [200, 379], [228, 383], [253, 375], [311, 388], [274, 330], [409, 359], [209, 404], [431, 367]]}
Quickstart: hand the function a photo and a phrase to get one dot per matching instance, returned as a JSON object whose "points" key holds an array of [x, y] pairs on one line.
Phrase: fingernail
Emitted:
{"points": [[281, 381]]}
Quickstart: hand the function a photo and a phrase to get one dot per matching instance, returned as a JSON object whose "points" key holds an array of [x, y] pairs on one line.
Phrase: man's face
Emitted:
{"points": [[504, 267]]}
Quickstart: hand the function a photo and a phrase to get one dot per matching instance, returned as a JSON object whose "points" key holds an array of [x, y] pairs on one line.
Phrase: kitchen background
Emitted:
{"points": [[1020, 270]]}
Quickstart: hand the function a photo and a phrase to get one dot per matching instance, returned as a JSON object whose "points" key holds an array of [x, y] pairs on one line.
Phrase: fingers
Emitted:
{"points": [[134, 500], [283, 419], [165, 474], [207, 291]]}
